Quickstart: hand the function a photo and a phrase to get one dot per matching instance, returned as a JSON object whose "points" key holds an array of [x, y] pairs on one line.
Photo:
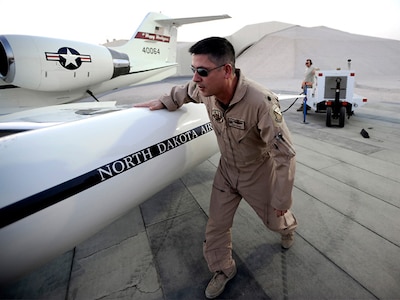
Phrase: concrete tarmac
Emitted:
{"points": [[346, 199]]}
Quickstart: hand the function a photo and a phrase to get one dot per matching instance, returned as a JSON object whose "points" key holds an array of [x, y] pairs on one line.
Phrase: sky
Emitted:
{"points": [[96, 21]]}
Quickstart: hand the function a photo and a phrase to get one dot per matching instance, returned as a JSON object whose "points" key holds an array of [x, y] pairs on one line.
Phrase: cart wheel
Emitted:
{"points": [[328, 116], [342, 116]]}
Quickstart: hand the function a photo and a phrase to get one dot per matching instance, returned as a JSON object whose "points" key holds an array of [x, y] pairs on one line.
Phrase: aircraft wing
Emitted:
{"points": [[85, 166], [54, 115]]}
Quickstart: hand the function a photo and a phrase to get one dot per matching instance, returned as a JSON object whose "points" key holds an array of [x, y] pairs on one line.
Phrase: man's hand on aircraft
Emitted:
{"points": [[152, 104]]}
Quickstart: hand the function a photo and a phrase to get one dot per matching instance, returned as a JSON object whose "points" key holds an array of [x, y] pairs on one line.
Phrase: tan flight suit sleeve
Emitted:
{"points": [[281, 150], [180, 95]]}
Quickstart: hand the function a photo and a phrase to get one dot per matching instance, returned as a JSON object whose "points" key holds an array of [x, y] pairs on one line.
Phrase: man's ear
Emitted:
{"points": [[228, 70]]}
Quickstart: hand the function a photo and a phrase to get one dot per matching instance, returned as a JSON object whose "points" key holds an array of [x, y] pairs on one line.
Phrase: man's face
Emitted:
{"points": [[208, 76]]}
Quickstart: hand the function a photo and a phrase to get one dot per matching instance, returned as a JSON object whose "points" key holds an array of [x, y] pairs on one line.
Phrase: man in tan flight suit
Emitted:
{"points": [[257, 156]]}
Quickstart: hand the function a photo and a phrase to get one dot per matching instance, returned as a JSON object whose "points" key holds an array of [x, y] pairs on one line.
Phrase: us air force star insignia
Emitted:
{"points": [[277, 113], [69, 58]]}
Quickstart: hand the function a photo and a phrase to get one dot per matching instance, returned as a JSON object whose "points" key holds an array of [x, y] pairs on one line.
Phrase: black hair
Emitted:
{"points": [[309, 59], [219, 50]]}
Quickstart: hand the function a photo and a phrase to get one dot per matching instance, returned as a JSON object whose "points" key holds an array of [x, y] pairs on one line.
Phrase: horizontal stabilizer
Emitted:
{"points": [[182, 21]]}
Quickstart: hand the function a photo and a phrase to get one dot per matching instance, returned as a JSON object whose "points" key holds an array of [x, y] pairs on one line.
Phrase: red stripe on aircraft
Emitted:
{"points": [[52, 56], [152, 37], [85, 58]]}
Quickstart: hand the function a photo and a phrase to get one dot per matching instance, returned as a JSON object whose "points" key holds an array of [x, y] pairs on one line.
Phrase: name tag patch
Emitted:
{"points": [[236, 123]]}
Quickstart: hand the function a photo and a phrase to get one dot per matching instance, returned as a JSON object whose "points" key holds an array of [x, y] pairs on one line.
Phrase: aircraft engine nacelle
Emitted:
{"points": [[46, 64]]}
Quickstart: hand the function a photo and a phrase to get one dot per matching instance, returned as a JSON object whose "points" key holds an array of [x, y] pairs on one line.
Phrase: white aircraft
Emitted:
{"points": [[85, 164], [40, 71]]}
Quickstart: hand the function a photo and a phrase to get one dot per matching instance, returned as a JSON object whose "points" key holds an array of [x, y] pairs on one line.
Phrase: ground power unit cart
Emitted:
{"points": [[333, 94]]}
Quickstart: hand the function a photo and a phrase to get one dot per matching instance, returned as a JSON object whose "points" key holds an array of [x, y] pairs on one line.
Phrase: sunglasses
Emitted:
{"points": [[203, 72]]}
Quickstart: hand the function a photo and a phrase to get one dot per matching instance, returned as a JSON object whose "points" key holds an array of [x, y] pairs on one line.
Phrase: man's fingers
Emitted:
{"points": [[141, 105], [152, 105]]}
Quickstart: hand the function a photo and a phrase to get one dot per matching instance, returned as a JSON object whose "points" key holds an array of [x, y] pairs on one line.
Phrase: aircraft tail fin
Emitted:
{"points": [[155, 41]]}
